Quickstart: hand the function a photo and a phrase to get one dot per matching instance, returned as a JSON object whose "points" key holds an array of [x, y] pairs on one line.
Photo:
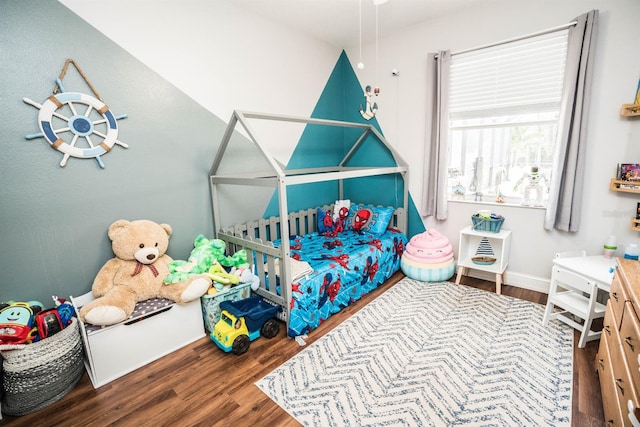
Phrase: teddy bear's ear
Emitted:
{"points": [[117, 227], [167, 228]]}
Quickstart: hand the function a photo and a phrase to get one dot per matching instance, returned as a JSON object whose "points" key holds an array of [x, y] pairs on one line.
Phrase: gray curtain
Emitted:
{"points": [[434, 197], [566, 187]]}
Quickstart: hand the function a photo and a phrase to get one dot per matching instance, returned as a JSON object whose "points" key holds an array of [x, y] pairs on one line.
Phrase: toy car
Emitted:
{"points": [[17, 325], [242, 322]]}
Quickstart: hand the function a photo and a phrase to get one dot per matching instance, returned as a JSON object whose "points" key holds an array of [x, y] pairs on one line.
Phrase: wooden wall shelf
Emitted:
{"points": [[624, 186], [630, 110], [627, 187]]}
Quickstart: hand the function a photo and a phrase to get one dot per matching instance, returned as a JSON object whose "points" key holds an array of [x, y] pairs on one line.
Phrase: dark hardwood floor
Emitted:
{"points": [[199, 385]]}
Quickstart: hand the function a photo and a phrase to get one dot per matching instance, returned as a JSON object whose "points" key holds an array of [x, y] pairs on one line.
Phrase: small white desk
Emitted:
{"points": [[595, 267]]}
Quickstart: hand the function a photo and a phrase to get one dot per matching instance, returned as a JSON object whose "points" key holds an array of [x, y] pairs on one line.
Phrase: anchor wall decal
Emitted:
{"points": [[369, 110]]}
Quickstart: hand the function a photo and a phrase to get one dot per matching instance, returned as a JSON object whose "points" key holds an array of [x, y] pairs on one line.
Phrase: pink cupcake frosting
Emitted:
{"points": [[429, 247]]}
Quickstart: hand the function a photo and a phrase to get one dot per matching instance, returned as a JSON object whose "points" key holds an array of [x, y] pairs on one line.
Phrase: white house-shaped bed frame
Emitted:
{"points": [[252, 236]]}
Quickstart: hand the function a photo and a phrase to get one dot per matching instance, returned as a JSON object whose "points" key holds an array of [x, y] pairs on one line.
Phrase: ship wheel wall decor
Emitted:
{"points": [[87, 123]]}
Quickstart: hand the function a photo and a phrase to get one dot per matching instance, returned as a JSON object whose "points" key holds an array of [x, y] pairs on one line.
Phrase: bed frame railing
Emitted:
{"points": [[300, 223]]}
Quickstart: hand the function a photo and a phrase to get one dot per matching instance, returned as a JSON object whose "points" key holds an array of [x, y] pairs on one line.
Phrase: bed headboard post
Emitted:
{"points": [[401, 219]]}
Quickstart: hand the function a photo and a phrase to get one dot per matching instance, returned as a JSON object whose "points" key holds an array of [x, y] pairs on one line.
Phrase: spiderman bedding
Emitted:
{"points": [[345, 267]]}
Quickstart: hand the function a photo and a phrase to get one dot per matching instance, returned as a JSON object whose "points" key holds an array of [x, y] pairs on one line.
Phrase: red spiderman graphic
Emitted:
{"points": [[361, 219], [328, 220], [343, 260], [374, 242], [340, 221], [332, 244], [295, 287], [377, 243], [333, 227], [398, 248], [369, 271], [329, 290], [295, 245]]}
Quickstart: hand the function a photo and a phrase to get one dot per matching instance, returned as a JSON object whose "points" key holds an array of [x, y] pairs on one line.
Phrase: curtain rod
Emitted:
{"points": [[515, 39]]}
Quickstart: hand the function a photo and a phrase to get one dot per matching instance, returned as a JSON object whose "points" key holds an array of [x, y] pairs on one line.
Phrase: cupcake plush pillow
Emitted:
{"points": [[428, 257]]}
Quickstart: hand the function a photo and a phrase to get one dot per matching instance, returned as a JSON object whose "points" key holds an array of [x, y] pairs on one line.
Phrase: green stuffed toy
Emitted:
{"points": [[205, 254]]}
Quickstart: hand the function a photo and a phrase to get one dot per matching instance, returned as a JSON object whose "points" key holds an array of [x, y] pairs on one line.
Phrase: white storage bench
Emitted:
{"points": [[157, 327]]}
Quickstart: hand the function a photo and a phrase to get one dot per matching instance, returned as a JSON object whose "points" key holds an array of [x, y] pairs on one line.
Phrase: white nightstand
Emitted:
{"points": [[478, 243]]}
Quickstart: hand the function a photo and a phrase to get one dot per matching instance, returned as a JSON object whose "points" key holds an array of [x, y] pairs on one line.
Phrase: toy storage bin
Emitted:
{"points": [[36, 375], [492, 225], [113, 351], [211, 303]]}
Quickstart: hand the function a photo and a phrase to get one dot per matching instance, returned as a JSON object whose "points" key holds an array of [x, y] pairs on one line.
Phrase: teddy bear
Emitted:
{"points": [[137, 273]]}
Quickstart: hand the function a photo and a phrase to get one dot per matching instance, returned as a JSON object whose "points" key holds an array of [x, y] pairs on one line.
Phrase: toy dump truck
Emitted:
{"points": [[242, 322]]}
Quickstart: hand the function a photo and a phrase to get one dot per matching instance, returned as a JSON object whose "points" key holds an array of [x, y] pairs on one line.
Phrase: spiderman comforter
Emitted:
{"points": [[345, 267]]}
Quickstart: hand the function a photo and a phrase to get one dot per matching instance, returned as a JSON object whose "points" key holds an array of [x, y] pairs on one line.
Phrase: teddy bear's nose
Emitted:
{"points": [[150, 257]]}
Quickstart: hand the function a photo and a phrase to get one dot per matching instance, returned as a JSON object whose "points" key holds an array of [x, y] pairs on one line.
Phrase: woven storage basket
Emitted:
{"points": [[36, 375], [492, 225]]}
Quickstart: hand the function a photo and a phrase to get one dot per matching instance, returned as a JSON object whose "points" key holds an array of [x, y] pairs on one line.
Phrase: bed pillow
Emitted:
{"points": [[369, 219], [338, 207], [325, 222]]}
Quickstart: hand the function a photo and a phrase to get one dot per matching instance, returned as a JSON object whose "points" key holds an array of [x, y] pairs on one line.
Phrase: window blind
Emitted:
{"points": [[512, 78]]}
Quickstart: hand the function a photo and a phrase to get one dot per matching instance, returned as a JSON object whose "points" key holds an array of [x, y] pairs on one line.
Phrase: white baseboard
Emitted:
{"points": [[532, 283]]}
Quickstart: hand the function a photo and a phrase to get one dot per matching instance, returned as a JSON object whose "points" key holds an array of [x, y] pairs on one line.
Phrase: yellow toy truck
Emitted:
{"points": [[242, 322]]}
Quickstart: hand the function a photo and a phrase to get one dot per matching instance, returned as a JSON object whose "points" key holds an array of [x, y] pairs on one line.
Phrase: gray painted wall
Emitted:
{"points": [[54, 220]]}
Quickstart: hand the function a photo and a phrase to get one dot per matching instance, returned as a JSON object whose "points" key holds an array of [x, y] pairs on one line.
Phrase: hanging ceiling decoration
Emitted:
{"points": [[376, 90], [360, 63], [368, 111], [77, 116]]}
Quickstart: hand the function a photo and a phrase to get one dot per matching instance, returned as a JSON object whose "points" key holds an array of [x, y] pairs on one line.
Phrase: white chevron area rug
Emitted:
{"points": [[432, 354]]}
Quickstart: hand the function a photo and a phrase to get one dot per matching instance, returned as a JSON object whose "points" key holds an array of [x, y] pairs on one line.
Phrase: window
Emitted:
{"points": [[504, 104]]}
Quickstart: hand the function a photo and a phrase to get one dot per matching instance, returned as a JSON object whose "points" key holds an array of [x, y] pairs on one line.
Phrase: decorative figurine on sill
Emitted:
{"points": [[534, 184], [458, 191], [500, 198]]}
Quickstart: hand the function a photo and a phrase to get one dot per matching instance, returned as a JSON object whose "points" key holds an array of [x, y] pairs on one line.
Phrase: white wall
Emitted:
{"points": [[221, 56], [611, 139], [245, 62]]}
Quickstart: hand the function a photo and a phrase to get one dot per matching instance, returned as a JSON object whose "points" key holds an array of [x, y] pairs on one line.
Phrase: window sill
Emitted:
{"points": [[493, 203]]}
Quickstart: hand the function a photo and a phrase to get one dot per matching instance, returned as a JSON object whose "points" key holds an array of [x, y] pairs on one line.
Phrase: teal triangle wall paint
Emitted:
{"points": [[341, 99]]}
